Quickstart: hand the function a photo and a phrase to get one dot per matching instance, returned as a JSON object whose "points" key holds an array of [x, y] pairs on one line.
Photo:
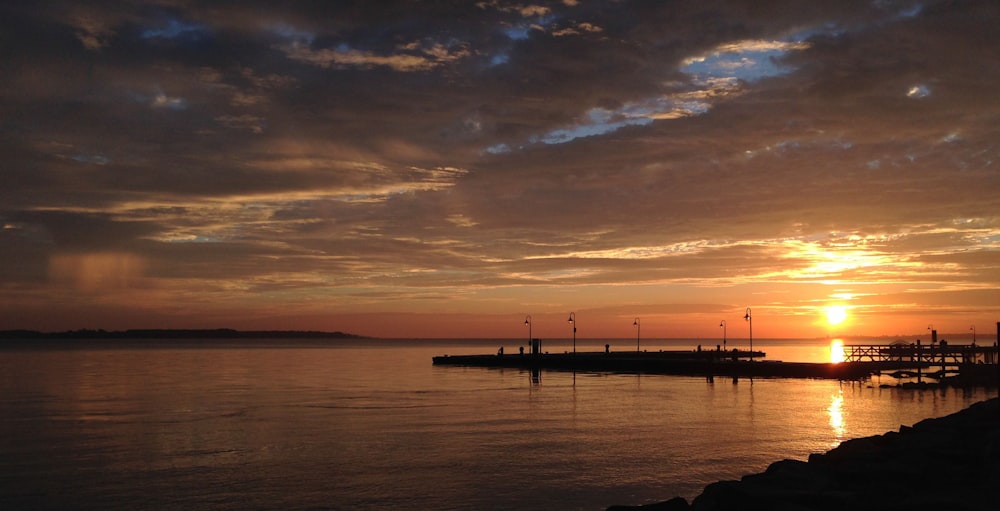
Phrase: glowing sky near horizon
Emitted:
{"points": [[411, 170]]}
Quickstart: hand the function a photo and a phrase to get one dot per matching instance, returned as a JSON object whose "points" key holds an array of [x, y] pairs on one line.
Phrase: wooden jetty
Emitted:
{"points": [[938, 360]]}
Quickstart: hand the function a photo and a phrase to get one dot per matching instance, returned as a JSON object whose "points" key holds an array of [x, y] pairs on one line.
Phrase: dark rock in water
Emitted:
{"points": [[949, 463]]}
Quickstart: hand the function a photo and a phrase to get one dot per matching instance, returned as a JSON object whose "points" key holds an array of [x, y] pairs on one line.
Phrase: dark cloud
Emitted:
{"points": [[357, 156]]}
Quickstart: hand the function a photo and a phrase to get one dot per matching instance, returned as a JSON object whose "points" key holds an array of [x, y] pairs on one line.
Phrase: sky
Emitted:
{"points": [[457, 168]]}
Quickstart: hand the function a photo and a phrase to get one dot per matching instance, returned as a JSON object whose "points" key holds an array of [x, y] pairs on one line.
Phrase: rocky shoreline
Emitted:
{"points": [[951, 462]]}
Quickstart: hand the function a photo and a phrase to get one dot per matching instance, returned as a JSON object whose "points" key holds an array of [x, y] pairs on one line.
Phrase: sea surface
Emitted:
{"points": [[372, 424]]}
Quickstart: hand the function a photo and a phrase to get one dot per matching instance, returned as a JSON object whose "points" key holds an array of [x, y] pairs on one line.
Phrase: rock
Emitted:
{"points": [[798, 475], [949, 462]]}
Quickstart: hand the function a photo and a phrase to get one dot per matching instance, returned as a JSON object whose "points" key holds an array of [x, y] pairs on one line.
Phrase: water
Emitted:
{"points": [[373, 425]]}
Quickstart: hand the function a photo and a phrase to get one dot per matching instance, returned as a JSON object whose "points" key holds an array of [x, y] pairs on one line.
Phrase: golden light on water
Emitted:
{"points": [[836, 351], [837, 417]]}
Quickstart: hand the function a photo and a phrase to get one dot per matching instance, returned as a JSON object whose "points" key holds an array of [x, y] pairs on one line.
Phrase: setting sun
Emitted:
{"points": [[836, 314]]}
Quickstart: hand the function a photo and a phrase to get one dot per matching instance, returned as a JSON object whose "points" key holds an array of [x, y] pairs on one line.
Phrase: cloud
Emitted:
{"points": [[97, 271], [347, 57], [246, 121], [173, 28], [412, 56], [92, 31], [161, 100], [508, 153], [577, 29]]}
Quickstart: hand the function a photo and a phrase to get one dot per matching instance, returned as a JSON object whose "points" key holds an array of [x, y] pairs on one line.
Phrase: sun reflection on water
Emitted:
{"points": [[837, 418], [836, 351]]}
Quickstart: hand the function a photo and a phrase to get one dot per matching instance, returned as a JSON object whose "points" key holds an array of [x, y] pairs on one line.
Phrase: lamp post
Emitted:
{"points": [[722, 325], [527, 322], [749, 319], [637, 329], [973, 328], [572, 321]]}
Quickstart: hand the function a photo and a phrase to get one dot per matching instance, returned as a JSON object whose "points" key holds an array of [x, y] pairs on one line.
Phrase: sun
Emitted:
{"points": [[836, 314]]}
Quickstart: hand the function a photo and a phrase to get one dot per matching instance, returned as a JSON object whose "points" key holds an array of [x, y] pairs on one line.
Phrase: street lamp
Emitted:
{"points": [[749, 319], [527, 322], [973, 328], [722, 325], [572, 321], [637, 329]]}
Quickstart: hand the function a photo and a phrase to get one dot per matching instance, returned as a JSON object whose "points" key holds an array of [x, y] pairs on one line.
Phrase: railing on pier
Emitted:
{"points": [[942, 353], [918, 359]]}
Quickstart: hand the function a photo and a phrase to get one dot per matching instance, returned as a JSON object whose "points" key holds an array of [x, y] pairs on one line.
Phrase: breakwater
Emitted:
{"points": [[951, 462]]}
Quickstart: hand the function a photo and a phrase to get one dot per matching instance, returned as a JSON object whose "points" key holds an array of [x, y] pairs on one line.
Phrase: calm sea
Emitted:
{"points": [[359, 425]]}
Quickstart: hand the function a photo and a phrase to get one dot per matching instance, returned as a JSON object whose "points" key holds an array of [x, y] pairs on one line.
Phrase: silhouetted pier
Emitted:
{"points": [[735, 363], [961, 364], [938, 360]]}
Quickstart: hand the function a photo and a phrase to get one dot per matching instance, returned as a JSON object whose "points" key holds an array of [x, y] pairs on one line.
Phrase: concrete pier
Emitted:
{"points": [[957, 364], [692, 363]]}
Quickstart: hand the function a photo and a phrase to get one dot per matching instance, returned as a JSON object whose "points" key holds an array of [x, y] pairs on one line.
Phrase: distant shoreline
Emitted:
{"points": [[216, 333]]}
